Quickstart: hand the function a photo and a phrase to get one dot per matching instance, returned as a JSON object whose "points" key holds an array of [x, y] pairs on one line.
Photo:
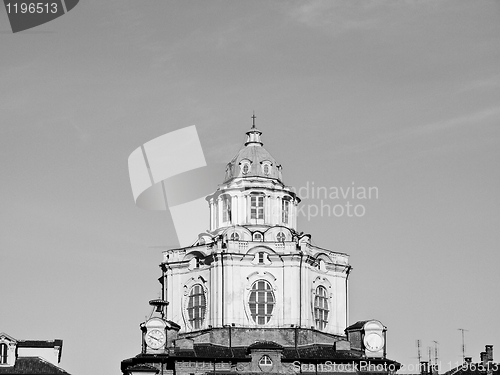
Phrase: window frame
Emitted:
{"points": [[257, 206], [4, 353], [226, 208], [265, 363], [261, 302], [285, 210], [258, 237], [266, 168], [196, 312], [246, 167], [280, 237], [321, 307]]}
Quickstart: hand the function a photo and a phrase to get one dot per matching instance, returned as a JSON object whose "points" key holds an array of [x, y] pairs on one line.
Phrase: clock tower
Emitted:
{"points": [[157, 332]]}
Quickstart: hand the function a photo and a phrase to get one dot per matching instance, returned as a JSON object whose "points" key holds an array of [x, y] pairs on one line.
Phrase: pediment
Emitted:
{"points": [[7, 338]]}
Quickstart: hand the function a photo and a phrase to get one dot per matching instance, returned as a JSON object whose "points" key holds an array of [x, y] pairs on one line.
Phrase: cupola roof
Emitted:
{"points": [[253, 160]]}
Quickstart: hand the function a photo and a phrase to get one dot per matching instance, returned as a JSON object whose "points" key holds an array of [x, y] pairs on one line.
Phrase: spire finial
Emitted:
{"points": [[253, 135]]}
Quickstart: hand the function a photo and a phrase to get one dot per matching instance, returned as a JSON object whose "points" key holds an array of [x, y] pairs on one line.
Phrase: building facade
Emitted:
{"points": [[253, 294], [30, 356]]}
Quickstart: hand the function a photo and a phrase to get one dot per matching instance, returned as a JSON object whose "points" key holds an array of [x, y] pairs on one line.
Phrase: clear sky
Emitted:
{"points": [[403, 96]]}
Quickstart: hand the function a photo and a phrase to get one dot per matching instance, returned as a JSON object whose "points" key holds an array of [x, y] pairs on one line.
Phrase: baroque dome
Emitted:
{"points": [[253, 160]]}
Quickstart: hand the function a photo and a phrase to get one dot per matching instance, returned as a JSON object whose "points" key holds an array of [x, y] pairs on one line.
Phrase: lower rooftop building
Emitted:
{"points": [[485, 366], [30, 356]]}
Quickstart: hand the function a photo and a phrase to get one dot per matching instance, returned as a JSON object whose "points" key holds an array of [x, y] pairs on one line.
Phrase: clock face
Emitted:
{"points": [[155, 339], [374, 342]]}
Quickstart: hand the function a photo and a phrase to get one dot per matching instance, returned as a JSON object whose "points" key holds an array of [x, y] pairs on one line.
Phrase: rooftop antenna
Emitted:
{"points": [[435, 351], [463, 342], [418, 352]]}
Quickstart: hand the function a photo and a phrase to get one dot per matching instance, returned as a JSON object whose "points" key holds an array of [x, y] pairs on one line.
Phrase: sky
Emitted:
{"points": [[403, 96]]}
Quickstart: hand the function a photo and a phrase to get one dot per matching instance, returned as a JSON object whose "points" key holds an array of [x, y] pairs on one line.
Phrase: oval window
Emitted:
{"points": [[245, 168], [261, 302], [196, 306], [267, 169]]}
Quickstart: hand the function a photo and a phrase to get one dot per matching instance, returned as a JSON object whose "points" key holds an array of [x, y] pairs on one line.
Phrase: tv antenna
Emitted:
{"points": [[435, 351], [463, 342], [419, 356]]}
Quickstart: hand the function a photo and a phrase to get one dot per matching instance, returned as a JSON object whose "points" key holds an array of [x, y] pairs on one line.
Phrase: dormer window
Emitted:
{"points": [[234, 236], [245, 166], [265, 363], [266, 168]]}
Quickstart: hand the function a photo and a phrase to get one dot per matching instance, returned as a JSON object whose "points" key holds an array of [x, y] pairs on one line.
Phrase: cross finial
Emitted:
{"points": [[253, 120]]}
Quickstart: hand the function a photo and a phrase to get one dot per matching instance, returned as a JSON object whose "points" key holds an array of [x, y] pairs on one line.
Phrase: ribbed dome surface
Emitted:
{"points": [[253, 160]]}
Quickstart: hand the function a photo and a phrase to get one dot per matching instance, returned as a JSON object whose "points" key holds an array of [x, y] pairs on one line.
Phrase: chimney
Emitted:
{"points": [[489, 353], [424, 368], [483, 358]]}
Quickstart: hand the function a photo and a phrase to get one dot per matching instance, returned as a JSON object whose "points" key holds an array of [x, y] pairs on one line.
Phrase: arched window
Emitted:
{"points": [[261, 302], [280, 237], [196, 306], [322, 265], [285, 208], [257, 206], [235, 236], [226, 209], [321, 308], [257, 236], [3, 353], [265, 363]]}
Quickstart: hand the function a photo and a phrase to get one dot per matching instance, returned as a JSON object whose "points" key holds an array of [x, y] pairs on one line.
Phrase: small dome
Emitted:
{"points": [[253, 160]]}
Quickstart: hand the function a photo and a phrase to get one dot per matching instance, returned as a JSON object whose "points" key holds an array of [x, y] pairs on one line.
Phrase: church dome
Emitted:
{"points": [[253, 160]]}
